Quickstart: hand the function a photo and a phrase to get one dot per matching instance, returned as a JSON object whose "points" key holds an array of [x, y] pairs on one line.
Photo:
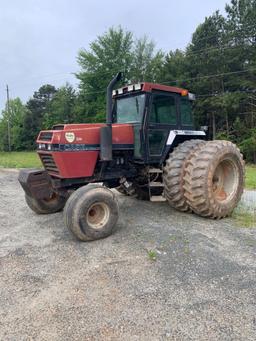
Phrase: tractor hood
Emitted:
{"points": [[83, 137], [72, 150]]}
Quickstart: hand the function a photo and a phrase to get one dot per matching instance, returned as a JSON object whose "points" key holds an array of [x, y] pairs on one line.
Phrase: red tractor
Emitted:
{"points": [[147, 148]]}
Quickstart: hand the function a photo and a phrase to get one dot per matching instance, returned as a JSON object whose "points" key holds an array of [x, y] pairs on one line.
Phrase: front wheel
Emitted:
{"points": [[91, 212]]}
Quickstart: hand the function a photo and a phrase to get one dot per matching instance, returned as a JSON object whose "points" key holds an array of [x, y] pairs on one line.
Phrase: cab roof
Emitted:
{"points": [[153, 86], [149, 87]]}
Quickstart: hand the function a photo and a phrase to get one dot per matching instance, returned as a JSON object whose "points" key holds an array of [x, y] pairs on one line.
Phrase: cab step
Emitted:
{"points": [[156, 184], [157, 198], [155, 170]]}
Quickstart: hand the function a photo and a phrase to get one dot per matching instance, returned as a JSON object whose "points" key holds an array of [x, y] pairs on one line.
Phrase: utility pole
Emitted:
{"points": [[8, 121], [213, 126]]}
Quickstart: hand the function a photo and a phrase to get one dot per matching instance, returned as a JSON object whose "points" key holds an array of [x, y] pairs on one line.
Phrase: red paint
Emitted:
{"points": [[149, 87], [78, 164], [90, 134], [75, 164]]}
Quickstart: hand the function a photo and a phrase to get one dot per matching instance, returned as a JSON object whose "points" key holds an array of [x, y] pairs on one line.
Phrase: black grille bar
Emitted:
{"points": [[49, 163]]}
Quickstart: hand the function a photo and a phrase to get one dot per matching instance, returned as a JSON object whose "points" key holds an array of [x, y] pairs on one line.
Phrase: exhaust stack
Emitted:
{"points": [[106, 132]]}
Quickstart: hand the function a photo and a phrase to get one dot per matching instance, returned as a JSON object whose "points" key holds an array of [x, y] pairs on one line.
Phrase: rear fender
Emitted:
{"points": [[176, 137]]}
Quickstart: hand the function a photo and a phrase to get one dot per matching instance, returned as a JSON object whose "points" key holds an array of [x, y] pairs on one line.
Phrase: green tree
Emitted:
{"points": [[175, 69], [219, 66], [146, 63], [114, 51], [17, 113], [61, 107], [33, 120], [108, 54], [248, 146]]}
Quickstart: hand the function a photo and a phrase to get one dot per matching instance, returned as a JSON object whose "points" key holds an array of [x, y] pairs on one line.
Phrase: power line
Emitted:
{"points": [[203, 95], [69, 73], [8, 119], [109, 72], [218, 48], [188, 79], [172, 81], [226, 93], [194, 52], [46, 75], [224, 33], [210, 76], [245, 113], [39, 82]]}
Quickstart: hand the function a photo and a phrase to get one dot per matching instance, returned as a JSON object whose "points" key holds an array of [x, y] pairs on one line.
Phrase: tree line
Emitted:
{"points": [[218, 65]]}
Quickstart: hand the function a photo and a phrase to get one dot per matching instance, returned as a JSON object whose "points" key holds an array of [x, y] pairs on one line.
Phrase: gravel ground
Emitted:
{"points": [[201, 286]]}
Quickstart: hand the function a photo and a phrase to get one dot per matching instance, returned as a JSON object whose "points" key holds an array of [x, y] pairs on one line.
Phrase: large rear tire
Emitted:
{"points": [[174, 171], [91, 212], [214, 179], [43, 206]]}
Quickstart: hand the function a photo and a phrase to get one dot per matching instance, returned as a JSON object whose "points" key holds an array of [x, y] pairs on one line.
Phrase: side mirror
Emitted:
{"points": [[204, 128], [191, 97]]}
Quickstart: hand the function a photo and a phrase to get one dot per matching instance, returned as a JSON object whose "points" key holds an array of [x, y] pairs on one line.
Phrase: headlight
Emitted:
{"points": [[49, 147], [137, 86]]}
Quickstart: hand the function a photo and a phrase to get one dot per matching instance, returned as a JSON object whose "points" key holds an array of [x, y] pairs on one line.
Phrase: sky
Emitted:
{"points": [[40, 40]]}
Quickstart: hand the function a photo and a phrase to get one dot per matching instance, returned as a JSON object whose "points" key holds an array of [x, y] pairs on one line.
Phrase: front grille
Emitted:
{"points": [[45, 136], [49, 163]]}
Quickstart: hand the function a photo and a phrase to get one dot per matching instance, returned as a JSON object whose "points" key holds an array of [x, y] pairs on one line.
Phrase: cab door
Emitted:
{"points": [[162, 117]]}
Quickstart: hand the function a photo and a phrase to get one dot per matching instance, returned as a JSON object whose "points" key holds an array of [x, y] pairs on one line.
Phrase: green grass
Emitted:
{"points": [[19, 160], [250, 178], [244, 217], [152, 255]]}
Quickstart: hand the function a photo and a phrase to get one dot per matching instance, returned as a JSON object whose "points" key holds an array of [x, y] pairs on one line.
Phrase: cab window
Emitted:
{"points": [[129, 109], [186, 112], [163, 110]]}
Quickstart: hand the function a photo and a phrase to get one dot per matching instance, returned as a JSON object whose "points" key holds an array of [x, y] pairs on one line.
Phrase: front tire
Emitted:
{"points": [[91, 212]]}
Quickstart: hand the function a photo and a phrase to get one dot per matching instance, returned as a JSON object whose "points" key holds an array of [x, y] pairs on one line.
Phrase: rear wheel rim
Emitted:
{"points": [[225, 180], [98, 215]]}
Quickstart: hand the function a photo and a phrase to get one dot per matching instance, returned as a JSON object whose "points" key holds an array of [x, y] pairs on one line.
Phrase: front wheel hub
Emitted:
{"points": [[98, 215]]}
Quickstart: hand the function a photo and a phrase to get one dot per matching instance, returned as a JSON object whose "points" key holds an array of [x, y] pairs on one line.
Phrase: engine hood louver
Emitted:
{"points": [[58, 127], [45, 136]]}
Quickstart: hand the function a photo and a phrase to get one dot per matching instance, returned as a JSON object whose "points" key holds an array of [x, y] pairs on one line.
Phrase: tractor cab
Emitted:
{"points": [[158, 113]]}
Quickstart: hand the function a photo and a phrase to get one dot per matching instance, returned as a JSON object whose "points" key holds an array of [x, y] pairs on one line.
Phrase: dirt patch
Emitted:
{"points": [[199, 284]]}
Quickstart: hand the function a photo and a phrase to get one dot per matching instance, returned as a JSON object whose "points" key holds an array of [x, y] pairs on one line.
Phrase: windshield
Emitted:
{"points": [[129, 109]]}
